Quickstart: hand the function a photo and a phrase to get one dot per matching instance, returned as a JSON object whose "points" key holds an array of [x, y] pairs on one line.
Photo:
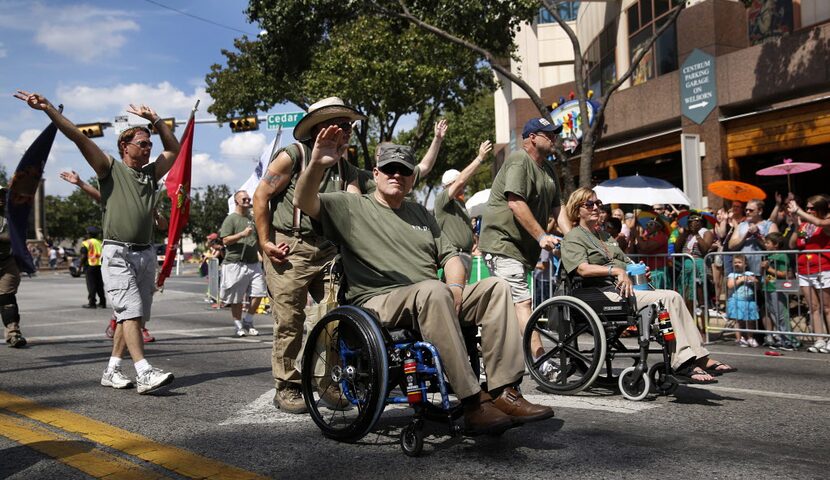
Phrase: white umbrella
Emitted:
{"points": [[637, 189], [478, 202]]}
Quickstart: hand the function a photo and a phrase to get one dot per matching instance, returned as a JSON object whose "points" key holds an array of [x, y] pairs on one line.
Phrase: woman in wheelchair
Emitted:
{"points": [[590, 253]]}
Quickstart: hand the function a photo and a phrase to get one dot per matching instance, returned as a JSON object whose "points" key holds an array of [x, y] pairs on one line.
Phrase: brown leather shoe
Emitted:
{"points": [[482, 417], [514, 404]]}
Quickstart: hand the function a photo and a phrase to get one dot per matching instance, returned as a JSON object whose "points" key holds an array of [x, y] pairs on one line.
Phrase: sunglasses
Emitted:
{"points": [[245, 200], [342, 125], [143, 144], [749, 210], [391, 169], [590, 204], [809, 207]]}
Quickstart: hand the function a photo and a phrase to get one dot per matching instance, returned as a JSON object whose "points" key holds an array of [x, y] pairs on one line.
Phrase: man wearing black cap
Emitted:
{"points": [[391, 250], [91, 255], [523, 199], [296, 255]]}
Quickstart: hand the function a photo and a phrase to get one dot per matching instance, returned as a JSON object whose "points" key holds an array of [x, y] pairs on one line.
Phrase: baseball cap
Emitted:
{"points": [[449, 176], [535, 125], [392, 153]]}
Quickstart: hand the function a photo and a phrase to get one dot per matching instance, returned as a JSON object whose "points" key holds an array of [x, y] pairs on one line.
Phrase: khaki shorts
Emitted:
{"points": [[512, 271], [240, 280], [129, 280]]}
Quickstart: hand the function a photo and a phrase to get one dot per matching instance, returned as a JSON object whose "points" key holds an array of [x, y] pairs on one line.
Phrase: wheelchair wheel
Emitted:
{"points": [[662, 383], [573, 340], [634, 389], [345, 374], [412, 440]]}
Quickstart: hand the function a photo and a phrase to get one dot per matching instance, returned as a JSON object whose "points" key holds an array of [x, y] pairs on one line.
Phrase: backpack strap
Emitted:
{"points": [[295, 227]]}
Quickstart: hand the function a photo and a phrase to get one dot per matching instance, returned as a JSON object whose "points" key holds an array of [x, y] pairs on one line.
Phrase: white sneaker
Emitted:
{"points": [[240, 332], [153, 379], [253, 331], [550, 370], [752, 342], [116, 379], [818, 347]]}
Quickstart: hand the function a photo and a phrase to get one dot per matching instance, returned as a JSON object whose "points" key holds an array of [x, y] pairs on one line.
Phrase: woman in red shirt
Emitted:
{"points": [[814, 268]]}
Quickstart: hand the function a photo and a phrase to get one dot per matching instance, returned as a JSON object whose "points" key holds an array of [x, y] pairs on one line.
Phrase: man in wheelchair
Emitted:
{"points": [[593, 255], [391, 250]]}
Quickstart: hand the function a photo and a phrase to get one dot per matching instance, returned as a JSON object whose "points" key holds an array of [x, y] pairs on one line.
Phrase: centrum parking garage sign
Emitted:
{"points": [[698, 94]]}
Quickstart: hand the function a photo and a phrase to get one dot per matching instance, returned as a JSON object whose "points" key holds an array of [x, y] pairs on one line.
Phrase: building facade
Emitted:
{"points": [[771, 90]]}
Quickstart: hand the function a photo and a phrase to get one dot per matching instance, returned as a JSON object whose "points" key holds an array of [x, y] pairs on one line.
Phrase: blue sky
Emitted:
{"points": [[97, 57]]}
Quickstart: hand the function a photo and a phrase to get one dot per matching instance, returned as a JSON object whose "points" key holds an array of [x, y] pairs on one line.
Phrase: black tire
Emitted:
{"points": [[662, 383], [634, 389], [412, 440], [573, 337], [360, 371]]}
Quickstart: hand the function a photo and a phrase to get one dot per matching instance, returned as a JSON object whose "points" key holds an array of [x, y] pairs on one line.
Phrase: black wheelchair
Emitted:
{"points": [[352, 367], [581, 334]]}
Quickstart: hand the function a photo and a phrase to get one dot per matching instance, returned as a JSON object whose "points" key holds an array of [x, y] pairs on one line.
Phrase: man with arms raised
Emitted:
{"points": [[391, 251], [128, 259]]}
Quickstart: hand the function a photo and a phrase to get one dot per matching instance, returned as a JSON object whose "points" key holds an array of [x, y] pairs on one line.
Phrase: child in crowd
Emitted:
{"points": [[741, 305], [776, 266]]}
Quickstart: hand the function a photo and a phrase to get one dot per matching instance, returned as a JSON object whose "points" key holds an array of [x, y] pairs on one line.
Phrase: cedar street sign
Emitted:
{"points": [[698, 93], [284, 120]]}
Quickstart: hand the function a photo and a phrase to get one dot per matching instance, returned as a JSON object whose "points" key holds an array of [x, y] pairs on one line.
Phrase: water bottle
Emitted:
{"points": [[637, 274]]}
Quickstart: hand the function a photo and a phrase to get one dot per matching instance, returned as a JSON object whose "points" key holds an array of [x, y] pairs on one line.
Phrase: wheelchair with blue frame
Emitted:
{"points": [[581, 334], [352, 367]]}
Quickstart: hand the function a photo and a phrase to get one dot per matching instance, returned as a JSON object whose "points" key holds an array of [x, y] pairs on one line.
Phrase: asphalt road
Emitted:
{"points": [[769, 420]]}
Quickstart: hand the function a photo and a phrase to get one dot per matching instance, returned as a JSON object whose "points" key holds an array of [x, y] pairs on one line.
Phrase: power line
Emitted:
{"points": [[197, 17]]}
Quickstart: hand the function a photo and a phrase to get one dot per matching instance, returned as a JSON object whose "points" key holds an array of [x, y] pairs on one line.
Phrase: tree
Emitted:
{"points": [[68, 218], [421, 14], [208, 210], [313, 49]]}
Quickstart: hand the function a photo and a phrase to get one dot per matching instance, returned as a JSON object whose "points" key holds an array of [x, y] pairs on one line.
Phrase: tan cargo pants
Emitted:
{"points": [[289, 285], [9, 281], [429, 307]]}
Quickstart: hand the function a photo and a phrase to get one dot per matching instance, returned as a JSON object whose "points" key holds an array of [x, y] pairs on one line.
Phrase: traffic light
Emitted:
{"points": [[91, 130], [171, 123], [244, 124]]}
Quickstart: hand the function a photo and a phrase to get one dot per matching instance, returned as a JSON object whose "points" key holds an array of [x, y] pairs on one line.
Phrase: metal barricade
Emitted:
{"points": [[213, 279], [783, 308], [680, 272]]}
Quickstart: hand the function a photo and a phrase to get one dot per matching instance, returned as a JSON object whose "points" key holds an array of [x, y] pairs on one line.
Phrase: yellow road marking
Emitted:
{"points": [[178, 460], [79, 455]]}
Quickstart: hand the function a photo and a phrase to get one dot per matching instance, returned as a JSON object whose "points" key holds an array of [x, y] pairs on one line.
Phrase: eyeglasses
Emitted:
{"points": [[245, 200], [391, 169], [590, 204], [809, 207], [749, 210], [143, 144]]}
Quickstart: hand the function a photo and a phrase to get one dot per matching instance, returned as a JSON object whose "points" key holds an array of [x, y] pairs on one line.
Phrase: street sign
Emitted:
{"points": [[284, 120], [698, 92]]}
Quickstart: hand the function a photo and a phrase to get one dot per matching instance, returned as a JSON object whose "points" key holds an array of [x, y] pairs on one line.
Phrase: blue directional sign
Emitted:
{"points": [[698, 92]]}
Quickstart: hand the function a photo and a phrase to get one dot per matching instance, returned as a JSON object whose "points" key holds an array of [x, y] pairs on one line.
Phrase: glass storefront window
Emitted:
{"points": [[602, 68]]}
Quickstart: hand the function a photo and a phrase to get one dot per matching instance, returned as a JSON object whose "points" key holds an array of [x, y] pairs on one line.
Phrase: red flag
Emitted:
{"points": [[178, 189]]}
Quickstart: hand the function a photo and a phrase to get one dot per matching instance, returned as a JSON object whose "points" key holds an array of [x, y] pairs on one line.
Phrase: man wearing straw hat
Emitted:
{"points": [[295, 256], [128, 259]]}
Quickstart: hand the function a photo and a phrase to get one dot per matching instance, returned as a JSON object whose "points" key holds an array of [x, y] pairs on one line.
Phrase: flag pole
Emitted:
{"points": [[180, 250]]}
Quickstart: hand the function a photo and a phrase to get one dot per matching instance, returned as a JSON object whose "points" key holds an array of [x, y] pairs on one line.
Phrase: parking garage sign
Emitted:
{"points": [[698, 93]]}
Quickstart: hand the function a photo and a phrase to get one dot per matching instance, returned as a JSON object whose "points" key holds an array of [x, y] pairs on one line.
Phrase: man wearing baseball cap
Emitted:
{"points": [[450, 210], [523, 199], [391, 249]]}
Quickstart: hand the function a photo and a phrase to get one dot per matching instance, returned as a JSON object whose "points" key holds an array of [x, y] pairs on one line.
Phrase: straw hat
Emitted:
{"points": [[319, 112]]}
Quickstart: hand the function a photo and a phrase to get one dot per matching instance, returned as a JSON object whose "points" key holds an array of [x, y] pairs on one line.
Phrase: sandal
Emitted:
{"points": [[686, 376], [719, 368]]}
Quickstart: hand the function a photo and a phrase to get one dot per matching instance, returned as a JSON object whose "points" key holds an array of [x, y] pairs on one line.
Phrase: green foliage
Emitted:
{"points": [[67, 218], [467, 129], [4, 176], [208, 209]]}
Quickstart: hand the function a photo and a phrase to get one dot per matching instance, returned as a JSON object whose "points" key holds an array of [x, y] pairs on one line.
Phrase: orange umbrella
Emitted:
{"points": [[732, 190]]}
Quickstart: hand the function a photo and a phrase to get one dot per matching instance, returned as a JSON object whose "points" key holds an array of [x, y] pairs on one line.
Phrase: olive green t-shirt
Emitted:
{"points": [[382, 248], [366, 182], [580, 246], [128, 197], [245, 250], [501, 233], [283, 218], [454, 220]]}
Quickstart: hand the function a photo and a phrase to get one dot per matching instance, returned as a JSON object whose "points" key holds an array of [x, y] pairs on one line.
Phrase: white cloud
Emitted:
{"points": [[206, 171], [84, 32], [243, 146], [163, 97], [3, 51]]}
